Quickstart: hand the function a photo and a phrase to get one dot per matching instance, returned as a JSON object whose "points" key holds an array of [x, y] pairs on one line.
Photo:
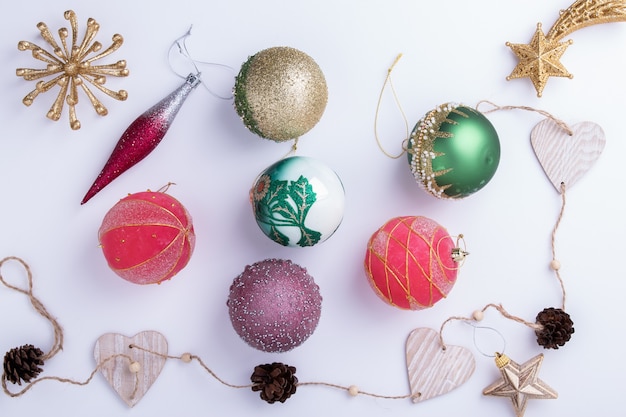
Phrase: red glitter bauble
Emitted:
{"points": [[274, 305], [409, 262], [147, 237]]}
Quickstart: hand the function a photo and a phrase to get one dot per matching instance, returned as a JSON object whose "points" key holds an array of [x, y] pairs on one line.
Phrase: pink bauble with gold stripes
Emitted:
{"points": [[412, 262], [147, 237]]}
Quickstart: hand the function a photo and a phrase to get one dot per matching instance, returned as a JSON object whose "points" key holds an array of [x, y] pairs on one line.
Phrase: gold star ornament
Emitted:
{"points": [[540, 59], [520, 382], [71, 67]]}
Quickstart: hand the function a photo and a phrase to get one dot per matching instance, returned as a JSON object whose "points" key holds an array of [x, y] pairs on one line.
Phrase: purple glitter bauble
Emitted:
{"points": [[274, 305]]}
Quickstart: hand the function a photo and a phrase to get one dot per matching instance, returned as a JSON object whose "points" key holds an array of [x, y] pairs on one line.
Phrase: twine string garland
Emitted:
{"points": [[58, 334], [555, 264], [38, 305], [544, 113], [478, 316], [72, 381], [188, 357], [134, 367], [353, 390]]}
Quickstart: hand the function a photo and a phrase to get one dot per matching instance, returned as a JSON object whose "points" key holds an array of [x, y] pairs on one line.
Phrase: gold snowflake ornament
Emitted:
{"points": [[71, 67]]}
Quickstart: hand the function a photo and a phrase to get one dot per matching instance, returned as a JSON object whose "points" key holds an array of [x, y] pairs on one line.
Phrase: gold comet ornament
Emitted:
{"points": [[72, 67], [540, 59]]}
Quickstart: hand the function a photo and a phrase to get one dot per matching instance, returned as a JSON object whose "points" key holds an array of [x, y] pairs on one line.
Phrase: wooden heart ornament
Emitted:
{"points": [[435, 371], [564, 158], [114, 357]]}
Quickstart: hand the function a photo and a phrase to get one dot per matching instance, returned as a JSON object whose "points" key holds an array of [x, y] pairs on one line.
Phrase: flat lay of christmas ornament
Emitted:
{"points": [[385, 349], [72, 67], [520, 383], [541, 58], [453, 151], [147, 237], [274, 305], [298, 201], [132, 371], [280, 93], [412, 262]]}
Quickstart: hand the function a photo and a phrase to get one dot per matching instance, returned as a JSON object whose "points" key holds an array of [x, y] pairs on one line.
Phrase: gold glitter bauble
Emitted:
{"points": [[280, 93]]}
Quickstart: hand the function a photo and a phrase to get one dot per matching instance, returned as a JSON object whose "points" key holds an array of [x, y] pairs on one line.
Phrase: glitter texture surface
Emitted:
{"points": [[409, 262], [147, 237], [274, 305], [142, 136], [280, 93]]}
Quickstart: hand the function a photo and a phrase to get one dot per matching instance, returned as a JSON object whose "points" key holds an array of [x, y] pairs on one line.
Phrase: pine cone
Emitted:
{"points": [[22, 364], [557, 328], [276, 381]]}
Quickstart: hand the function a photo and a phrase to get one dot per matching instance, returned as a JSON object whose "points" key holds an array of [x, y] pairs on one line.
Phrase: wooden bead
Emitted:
{"points": [[134, 367], [478, 315], [555, 265], [353, 390], [186, 357]]}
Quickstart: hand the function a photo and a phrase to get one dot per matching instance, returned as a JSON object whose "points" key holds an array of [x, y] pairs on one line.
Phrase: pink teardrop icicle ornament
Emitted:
{"points": [[142, 136]]}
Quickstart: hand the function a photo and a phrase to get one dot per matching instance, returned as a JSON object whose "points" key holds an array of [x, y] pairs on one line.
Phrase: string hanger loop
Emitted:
{"points": [[397, 100], [180, 46]]}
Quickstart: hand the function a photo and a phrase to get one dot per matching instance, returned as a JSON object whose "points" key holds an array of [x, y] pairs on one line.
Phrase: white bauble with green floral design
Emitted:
{"points": [[298, 201]]}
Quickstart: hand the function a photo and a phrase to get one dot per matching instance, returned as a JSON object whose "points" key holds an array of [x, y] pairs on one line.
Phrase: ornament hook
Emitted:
{"points": [[181, 46], [459, 254], [481, 351]]}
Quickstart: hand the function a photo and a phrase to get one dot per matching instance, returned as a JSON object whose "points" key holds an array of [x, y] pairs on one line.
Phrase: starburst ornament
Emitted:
{"points": [[71, 67], [520, 382], [541, 58]]}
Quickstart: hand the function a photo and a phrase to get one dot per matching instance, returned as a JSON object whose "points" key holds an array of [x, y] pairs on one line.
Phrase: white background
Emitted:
{"points": [[453, 51]]}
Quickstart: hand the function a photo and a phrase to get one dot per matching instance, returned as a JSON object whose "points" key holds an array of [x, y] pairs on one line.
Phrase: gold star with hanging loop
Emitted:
{"points": [[520, 382], [72, 67], [540, 59]]}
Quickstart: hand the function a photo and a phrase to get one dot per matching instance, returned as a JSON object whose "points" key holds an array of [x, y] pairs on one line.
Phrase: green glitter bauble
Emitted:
{"points": [[453, 151], [280, 93]]}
